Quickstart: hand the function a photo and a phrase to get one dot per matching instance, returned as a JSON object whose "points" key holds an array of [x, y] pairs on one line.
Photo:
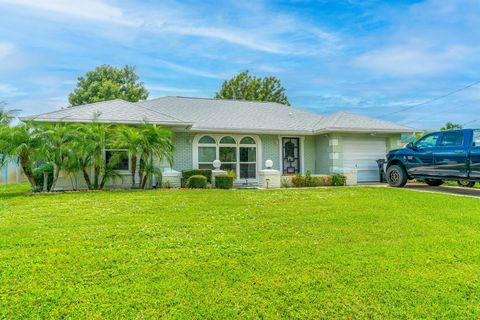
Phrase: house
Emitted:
{"points": [[243, 134]]}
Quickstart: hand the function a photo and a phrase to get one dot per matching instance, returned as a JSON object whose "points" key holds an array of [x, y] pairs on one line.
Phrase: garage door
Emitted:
{"points": [[362, 153]]}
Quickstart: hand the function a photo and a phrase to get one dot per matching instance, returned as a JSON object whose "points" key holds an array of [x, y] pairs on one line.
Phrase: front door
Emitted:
{"points": [[291, 155]]}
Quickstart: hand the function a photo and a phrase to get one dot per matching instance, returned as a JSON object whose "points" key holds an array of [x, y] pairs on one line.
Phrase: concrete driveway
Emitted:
{"points": [[458, 191]]}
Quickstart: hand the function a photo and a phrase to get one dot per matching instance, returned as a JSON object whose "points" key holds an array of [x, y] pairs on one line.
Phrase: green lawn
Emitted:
{"points": [[360, 252]]}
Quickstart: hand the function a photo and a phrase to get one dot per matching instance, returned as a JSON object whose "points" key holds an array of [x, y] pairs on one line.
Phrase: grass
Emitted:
{"points": [[361, 252]]}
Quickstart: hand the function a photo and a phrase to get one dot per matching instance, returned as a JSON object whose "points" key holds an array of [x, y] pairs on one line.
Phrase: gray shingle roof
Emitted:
{"points": [[202, 114], [116, 111], [346, 121], [235, 115]]}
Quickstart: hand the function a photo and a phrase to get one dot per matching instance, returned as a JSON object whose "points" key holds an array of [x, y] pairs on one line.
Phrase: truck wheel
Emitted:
{"points": [[466, 183], [396, 176], [433, 182]]}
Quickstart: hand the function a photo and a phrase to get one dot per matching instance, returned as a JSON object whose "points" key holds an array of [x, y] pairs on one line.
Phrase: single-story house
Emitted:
{"points": [[244, 134]]}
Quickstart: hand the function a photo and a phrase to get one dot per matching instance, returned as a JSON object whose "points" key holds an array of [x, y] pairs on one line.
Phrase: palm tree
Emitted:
{"points": [[92, 140], [56, 146], [22, 143], [6, 116], [130, 139], [156, 143]]}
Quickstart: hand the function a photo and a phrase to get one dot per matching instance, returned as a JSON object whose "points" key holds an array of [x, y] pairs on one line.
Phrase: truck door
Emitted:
{"points": [[451, 154], [475, 156], [421, 162]]}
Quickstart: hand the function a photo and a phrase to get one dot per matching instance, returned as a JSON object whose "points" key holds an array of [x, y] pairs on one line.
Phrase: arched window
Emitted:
{"points": [[206, 139], [247, 140], [207, 152], [240, 157], [248, 158], [227, 140]]}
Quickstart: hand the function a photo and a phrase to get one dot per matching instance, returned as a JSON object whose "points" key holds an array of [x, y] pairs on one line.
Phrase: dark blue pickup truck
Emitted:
{"points": [[452, 155]]}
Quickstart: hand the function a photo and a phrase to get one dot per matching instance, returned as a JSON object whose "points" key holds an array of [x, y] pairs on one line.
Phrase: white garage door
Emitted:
{"points": [[362, 153]]}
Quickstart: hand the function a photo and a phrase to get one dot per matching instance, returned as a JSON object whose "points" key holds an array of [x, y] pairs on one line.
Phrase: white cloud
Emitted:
{"points": [[7, 90], [188, 70], [410, 59], [6, 50], [166, 89], [262, 31], [85, 9]]}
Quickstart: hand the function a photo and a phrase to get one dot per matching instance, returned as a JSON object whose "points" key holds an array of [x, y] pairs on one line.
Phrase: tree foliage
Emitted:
{"points": [[244, 86], [107, 83], [6, 116], [80, 148], [451, 126]]}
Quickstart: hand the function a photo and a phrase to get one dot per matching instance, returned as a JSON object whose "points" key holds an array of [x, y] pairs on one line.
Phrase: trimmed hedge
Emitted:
{"points": [[197, 182], [207, 173], [224, 181], [308, 180], [339, 180]]}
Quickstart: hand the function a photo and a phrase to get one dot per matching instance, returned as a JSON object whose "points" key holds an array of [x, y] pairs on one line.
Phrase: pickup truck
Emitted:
{"points": [[437, 157]]}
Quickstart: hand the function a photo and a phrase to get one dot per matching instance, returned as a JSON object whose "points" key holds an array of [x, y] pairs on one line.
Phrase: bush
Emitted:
{"points": [[38, 176], [167, 185], [224, 181], [308, 180], [285, 183], [207, 173], [232, 174], [197, 182], [339, 180]]}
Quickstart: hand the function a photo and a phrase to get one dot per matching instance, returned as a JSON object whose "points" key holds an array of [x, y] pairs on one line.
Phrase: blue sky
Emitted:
{"points": [[365, 56]]}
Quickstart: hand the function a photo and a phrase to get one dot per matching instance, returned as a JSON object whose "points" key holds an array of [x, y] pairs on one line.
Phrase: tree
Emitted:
{"points": [[131, 139], [6, 116], [56, 146], [107, 83], [22, 143], [244, 86], [157, 143], [451, 126]]}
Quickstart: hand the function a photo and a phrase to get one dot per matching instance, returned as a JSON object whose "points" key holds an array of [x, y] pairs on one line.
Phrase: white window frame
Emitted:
{"points": [[121, 172], [217, 137]]}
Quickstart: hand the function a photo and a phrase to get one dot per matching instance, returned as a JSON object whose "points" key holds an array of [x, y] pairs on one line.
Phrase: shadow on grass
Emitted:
{"points": [[10, 191]]}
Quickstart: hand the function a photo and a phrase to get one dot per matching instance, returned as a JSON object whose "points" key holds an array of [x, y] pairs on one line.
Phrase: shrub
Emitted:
{"points": [[285, 183], [207, 173], [38, 176], [224, 181], [232, 174], [197, 182], [339, 180], [308, 180], [167, 185]]}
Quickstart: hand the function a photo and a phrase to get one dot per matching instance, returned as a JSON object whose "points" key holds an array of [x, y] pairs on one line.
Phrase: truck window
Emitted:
{"points": [[429, 141], [476, 138], [452, 139]]}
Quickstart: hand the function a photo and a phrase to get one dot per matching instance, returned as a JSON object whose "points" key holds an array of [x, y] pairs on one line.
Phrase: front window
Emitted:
{"points": [[237, 155], [118, 160], [207, 152], [429, 141]]}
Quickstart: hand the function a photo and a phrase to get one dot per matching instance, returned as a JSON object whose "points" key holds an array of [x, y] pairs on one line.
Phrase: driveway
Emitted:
{"points": [[458, 191]]}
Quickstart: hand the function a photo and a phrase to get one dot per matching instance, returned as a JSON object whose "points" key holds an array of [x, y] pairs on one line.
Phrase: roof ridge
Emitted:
{"points": [[215, 99]]}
